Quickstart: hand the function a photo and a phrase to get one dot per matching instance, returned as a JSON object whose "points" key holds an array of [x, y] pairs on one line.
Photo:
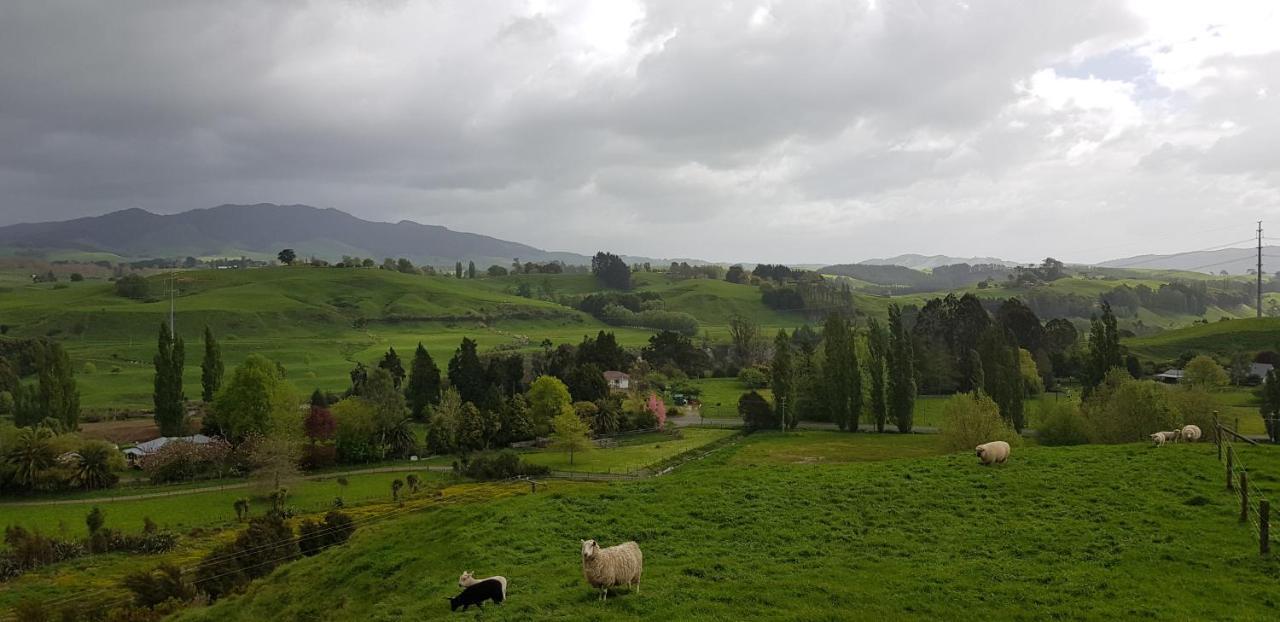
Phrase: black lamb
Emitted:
{"points": [[476, 594]]}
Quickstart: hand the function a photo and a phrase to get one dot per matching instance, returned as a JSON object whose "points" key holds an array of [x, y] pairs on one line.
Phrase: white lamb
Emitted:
{"points": [[1160, 438], [993, 452], [467, 580], [1191, 433], [616, 565]]}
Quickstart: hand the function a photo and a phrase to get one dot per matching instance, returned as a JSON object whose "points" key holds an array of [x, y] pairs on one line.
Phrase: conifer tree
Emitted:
{"points": [[170, 410], [424, 383], [211, 368]]}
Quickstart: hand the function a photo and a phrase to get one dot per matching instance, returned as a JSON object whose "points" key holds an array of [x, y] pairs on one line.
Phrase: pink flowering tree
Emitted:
{"points": [[659, 409]]}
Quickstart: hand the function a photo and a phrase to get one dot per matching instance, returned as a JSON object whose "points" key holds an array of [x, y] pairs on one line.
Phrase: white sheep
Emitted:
{"points": [[468, 579], [616, 565], [995, 451], [1191, 433], [1160, 438]]}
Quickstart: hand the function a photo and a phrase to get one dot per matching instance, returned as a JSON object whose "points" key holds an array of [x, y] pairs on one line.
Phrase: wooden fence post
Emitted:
{"points": [[1217, 434], [1230, 455], [1244, 496], [1264, 527]]}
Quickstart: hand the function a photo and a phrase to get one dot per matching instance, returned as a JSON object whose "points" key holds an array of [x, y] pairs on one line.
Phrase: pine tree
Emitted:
{"points": [[466, 372], [457, 269], [170, 410], [424, 383], [211, 369], [902, 375], [782, 379], [471, 269], [391, 362], [877, 350]]}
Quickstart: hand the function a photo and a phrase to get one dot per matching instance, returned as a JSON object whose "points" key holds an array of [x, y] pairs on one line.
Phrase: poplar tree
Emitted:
{"points": [[841, 377], [211, 368], [877, 350], [902, 376], [170, 411], [782, 378]]}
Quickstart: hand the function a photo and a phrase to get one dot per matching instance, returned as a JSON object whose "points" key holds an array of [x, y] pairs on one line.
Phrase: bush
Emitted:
{"points": [[182, 461], [316, 536], [971, 419], [89, 368], [1059, 423], [1124, 410], [132, 286], [501, 465], [319, 456], [1193, 406], [160, 584], [753, 378]]}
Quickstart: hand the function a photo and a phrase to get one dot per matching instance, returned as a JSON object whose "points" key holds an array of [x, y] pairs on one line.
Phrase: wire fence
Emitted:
{"points": [[1255, 506]]}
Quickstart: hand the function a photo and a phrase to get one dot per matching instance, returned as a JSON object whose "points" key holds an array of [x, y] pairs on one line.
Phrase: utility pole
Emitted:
{"points": [[1259, 275]]}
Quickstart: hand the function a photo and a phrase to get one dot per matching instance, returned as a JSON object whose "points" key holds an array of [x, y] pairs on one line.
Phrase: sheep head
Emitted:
{"points": [[462, 580], [977, 451], [589, 549]]}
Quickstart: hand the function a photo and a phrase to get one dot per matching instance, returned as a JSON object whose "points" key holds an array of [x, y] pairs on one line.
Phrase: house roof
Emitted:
{"points": [[1172, 373], [154, 445], [616, 375], [1260, 369]]}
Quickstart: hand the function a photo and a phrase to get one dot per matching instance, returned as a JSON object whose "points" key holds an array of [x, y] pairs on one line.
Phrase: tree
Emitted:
{"points": [[1124, 410], [466, 373], [842, 379], [496, 270], [274, 458], [287, 256], [55, 395], [457, 269], [672, 348], [442, 426], [1104, 349], [611, 271], [404, 266], [132, 286], [970, 419], [657, 408], [1032, 384], [253, 400], [743, 333], [94, 464], [1019, 319], [472, 430], [1203, 372], [424, 383], [391, 362], [736, 274], [211, 368], [877, 352], [548, 398], [1002, 375], [756, 413], [782, 379], [94, 520], [471, 269], [1271, 405], [170, 403], [570, 433], [586, 383], [396, 485], [388, 406], [900, 362], [30, 456], [319, 425]]}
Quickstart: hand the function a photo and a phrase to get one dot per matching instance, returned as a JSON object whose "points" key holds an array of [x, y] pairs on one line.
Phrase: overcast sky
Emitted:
{"points": [[804, 131]]}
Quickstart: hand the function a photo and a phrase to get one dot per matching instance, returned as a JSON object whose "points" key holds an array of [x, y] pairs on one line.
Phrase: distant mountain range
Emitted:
{"points": [[1233, 260], [263, 230], [929, 262]]}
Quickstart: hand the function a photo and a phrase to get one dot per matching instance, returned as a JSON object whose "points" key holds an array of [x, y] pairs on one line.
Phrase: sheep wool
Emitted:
{"points": [[993, 452], [1160, 438], [468, 579], [1191, 433], [616, 565]]}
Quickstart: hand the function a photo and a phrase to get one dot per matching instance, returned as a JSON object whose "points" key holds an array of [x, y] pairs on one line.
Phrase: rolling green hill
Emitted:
{"points": [[1217, 338], [846, 532]]}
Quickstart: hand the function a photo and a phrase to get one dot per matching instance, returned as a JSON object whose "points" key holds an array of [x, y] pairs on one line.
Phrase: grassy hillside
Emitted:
{"points": [[804, 527], [1217, 338]]}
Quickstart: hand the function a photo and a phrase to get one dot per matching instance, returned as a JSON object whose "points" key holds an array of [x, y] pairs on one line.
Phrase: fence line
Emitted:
{"points": [[1255, 508]]}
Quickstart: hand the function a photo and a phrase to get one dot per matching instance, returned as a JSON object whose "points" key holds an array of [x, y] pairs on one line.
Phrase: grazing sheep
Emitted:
{"points": [[995, 451], [616, 565], [1191, 433], [1160, 438], [467, 580], [476, 594]]}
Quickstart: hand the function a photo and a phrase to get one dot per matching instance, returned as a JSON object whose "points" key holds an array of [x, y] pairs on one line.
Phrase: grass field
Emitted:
{"points": [[1216, 338], [877, 530]]}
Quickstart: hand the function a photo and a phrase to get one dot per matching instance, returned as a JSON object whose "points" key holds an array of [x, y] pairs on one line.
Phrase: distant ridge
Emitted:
{"points": [[929, 262], [1233, 260], [266, 228]]}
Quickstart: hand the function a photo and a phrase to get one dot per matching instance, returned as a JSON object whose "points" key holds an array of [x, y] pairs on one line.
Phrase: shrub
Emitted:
{"points": [[132, 286], [1060, 423], [971, 419], [501, 465], [756, 412], [181, 461], [1193, 406], [316, 536], [753, 378], [160, 584], [319, 456], [89, 368], [1124, 410]]}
